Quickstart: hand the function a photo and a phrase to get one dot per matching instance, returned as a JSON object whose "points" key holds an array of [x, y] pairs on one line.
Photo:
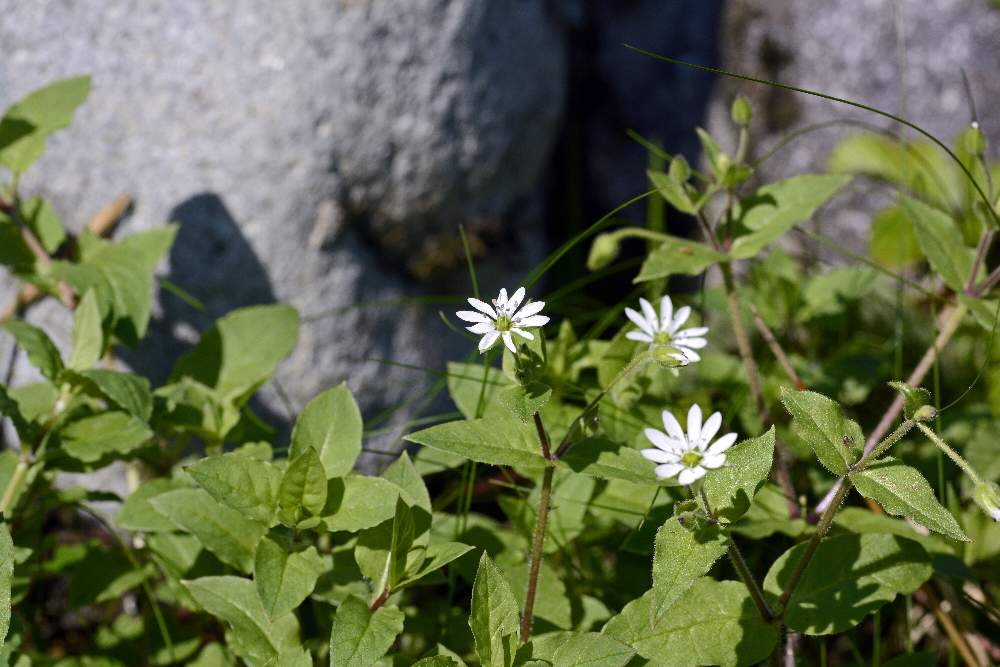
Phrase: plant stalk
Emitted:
{"points": [[537, 542], [14, 485], [543, 437], [951, 453], [757, 595]]}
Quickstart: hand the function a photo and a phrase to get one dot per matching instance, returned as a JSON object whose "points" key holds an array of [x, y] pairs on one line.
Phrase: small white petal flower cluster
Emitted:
{"points": [[688, 456], [665, 329], [504, 318]]}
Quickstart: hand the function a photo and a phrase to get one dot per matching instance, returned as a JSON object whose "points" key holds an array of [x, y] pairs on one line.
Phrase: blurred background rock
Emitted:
{"points": [[324, 153]]}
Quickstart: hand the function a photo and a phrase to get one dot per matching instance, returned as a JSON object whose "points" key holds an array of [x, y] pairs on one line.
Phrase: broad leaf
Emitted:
{"points": [[492, 440], [435, 557], [732, 488], [777, 207], [494, 617], [243, 483], [42, 219], [715, 623], [27, 124], [224, 531], [381, 552], [235, 601], [672, 191], [360, 638], [821, 424], [903, 491], [41, 351], [303, 487], [92, 438], [88, 336], [893, 242], [437, 661], [681, 556], [849, 577], [678, 256], [941, 241], [128, 391], [357, 502], [284, 579], [330, 424], [473, 389], [6, 578], [139, 515], [524, 401], [603, 459], [568, 649]]}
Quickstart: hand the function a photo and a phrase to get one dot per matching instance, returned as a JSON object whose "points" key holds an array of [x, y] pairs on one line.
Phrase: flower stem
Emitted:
{"points": [[543, 437], [886, 443], [952, 454], [740, 565], [537, 542], [14, 485]]}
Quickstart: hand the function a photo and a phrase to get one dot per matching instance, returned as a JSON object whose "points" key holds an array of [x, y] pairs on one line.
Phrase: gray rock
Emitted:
{"points": [[314, 152], [850, 49]]}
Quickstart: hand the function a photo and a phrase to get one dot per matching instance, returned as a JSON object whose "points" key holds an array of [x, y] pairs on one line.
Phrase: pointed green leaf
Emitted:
{"points": [[603, 459], [494, 618], [524, 401], [234, 600], [437, 661], [893, 242], [672, 191], [903, 491], [128, 391], [303, 487], [88, 336], [42, 219], [284, 579], [849, 577], [716, 623], [26, 125], [41, 351], [357, 502], [681, 556], [594, 650], [381, 552], [821, 424], [245, 484], [941, 241], [360, 638], [732, 488], [331, 424], [139, 515], [678, 256], [6, 578], [914, 398], [492, 440], [435, 557], [470, 383], [92, 438]]}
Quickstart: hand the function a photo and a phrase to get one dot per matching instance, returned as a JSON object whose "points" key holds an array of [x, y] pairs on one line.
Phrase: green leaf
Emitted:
{"points": [[404, 475], [678, 256], [778, 207], [303, 487], [235, 601], [524, 401], [903, 491], [243, 483], [468, 383], [357, 502], [381, 551], [437, 661], [44, 222], [494, 618], [681, 556], [41, 351], [331, 424], [92, 438], [26, 125], [849, 577], [11, 409], [14, 252], [224, 531], [88, 336], [672, 191], [569, 649], [492, 440], [241, 351], [914, 398], [821, 424], [128, 391], [139, 515], [435, 557], [6, 579], [284, 579], [716, 158], [715, 623], [893, 242], [603, 459], [360, 638], [941, 241], [732, 488]]}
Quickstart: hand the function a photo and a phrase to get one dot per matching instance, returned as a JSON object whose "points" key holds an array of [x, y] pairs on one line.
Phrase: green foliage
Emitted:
{"points": [[239, 481], [360, 637], [26, 125], [819, 422], [494, 618], [331, 425], [6, 579], [682, 555], [731, 490]]}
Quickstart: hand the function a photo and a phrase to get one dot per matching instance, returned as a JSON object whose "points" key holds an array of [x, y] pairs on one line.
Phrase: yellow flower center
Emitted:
{"points": [[504, 323], [691, 459]]}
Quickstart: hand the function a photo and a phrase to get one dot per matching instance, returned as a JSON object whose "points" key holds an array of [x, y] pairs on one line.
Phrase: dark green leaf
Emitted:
{"points": [[435, 557], [284, 579], [682, 555], [360, 638], [821, 424], [235, 601], [491, 440], [92, 438], [41, 351], [732, 488], [603, 459], [494, 618], [331, 424], [126, 390], [243, 483], [303, 487]]}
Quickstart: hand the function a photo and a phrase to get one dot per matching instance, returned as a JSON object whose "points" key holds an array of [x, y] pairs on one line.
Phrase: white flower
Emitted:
{"points": [[665, 329], [688, 456], [504, 318]]}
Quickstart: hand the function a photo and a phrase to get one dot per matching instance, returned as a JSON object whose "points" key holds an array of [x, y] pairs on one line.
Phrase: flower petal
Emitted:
{"points": [[639, 336], [640, 321], [515, 299], [713, 461], [533, 321], [694, 424], [691, 332], [508, 340], [664, 441], [483, 306], [680, 318], [666, 312], [501, 300], [673, 426], [650, 313], [689, 354], [722, 444], [472, 316], [522, 333], [690, 475], [659, 456], [693, 343], [488, 340], [668, 470], [709, 429], [530, 309], [482, 328]]}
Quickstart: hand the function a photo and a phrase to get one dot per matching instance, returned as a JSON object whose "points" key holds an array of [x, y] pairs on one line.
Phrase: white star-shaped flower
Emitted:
{"points": [[504, 318], [688, 456], [665, 329]]}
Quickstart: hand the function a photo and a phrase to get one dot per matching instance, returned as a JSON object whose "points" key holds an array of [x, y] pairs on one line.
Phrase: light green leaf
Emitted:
{"points": [[492, 440], [769, 514], [552, 602], [821, 424], [603, 459], [893, 241], [6, 578], [678, 256], [732, 488], [284, 579], [27, 124], [381, 551], [716, 623], [778, 207], [435, 557], [681, 556], [224, 531], [331, 424], [467, 383], [849, 577], [235, 601], [92, 438], [357, 502], [494, 617], [941, 241], [243, 483], [360, 638], [42, 219], [303, 487], [594, 650], [139, 515], [437, 661], [41, 351], [88, 336], [128, 391], [241, 351], [524, 401], [903, 491], [672, 191], [404, 475]]}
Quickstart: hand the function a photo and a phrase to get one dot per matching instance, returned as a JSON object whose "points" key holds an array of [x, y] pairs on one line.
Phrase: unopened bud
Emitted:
{"points": [[741, 112], [680, 170], [987, 496], [973, 140], [925, 413], [603, 251], [669, 357]]}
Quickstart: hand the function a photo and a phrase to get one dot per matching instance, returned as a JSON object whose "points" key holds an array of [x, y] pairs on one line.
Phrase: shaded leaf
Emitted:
{"points": [[128, 391], [331, 424], [494, 618], [360, 638], [243, 483], [732, 488], [284, 579], [603, 459], [821, 424], [41, 351], [941, 241], [681, 556]]}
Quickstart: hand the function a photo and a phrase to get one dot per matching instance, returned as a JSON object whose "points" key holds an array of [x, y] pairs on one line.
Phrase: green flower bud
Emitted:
{"points": [[925, 413], [973, 140], [669, 357], [987, 496], [603, 251], [680, 171], [741, 112]]}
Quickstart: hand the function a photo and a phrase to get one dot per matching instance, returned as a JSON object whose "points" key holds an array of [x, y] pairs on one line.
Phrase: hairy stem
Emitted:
{"points": [[951, 453], [543, 437], [886, 443], [740, 565], [537, 542]]}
